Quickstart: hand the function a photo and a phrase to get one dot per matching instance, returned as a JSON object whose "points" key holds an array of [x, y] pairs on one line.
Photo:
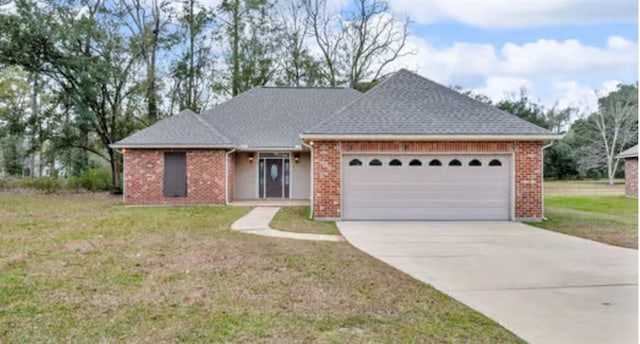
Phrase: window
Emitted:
{"points": [[475, 162], [355, 162], [495, 162], [375, 162], [435, 162], [415, 162], [455, 162], [175, 174], [395, 162]]}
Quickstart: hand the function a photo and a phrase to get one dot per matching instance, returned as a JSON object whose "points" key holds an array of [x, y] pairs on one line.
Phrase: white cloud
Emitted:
{"points": [[583, 97], [564, 71], [496, 87], [518, 13]]}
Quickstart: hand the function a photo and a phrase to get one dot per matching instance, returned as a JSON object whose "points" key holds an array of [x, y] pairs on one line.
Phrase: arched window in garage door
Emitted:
{"points": [[375, 162], [475, 163], [415, 162], [455, 162], [435, 162], [355, 162], [495, 162], [395, 162]]}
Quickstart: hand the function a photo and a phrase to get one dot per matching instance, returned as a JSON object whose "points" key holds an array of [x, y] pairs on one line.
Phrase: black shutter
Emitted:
{"points": [[175, 174]]}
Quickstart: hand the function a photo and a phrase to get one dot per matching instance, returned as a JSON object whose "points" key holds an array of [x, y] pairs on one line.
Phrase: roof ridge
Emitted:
{"points": [[209, 126], [309, 87], [329, 118], [467, 98]]}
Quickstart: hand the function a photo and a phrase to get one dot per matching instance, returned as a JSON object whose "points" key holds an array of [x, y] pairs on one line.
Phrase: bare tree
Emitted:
{"points": [[374, 38], [147, 22], [358, 44], [616, 122], [298, 66], [328, 35]]}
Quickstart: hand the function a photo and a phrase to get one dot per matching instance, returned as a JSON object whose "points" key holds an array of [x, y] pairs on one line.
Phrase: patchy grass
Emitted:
{"points": [[85, 269], [296, 219], [587, 187], [609, 219]]}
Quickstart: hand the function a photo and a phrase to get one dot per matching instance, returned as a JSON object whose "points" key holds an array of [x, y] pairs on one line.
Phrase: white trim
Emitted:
{"points": [[170, 146], [268, 150], [388, 137], [291, 171], [513, 185], [312, 188], [511, 154], [256, 161]]}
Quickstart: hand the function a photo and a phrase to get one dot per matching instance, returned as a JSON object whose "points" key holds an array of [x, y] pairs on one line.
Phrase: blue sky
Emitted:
{"points": [[562, 51]]}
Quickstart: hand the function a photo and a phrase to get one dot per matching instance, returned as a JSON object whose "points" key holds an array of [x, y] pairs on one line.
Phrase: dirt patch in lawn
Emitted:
{"points": [[179, 274]]}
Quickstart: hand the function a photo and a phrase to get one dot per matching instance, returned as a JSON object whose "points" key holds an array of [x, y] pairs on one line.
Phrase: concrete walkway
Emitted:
{"points": [[257, 222], [545, 287]]}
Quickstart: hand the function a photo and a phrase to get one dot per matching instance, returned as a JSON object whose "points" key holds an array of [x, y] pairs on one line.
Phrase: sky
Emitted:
{"points": [[562, 51]]}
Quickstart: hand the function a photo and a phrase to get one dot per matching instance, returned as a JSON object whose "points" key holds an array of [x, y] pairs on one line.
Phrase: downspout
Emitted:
{"points": [[311, 179], [226, 175], [543, 148]]}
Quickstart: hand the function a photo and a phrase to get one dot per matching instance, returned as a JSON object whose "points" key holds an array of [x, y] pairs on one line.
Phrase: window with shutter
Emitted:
{"points": [[175, 174]]}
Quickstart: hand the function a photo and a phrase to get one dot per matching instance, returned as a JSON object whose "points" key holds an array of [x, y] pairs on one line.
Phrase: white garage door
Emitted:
{"points": [[451, 187]]}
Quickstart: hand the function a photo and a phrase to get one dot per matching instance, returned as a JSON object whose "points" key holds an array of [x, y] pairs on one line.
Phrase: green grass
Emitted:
{"points": [[609, 219], [83, 268], [296, 219]]}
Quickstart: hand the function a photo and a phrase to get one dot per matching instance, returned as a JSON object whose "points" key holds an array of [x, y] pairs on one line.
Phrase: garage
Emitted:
{"points": [[426, 187]]}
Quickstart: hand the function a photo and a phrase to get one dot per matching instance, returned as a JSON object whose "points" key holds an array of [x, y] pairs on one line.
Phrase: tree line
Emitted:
{"points": [[79, 75], [592, 137]]}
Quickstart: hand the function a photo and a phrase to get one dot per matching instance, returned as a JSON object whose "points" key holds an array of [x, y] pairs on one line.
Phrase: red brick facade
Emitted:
{"points": [[631, 177], [528, 169], [144, 174]]}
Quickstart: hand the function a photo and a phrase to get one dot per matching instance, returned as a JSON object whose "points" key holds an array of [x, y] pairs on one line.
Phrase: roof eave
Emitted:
{"points": [[169, 146], [431, 137], [626, 156]]}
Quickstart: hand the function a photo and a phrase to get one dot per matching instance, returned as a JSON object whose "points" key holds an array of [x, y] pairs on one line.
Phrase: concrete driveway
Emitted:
{"points": [[543, 286]]}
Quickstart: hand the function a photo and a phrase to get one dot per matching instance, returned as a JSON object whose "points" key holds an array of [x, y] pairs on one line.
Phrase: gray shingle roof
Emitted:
{"points": [[629, 153], [408, 104], [184, 129], [275, 116]]}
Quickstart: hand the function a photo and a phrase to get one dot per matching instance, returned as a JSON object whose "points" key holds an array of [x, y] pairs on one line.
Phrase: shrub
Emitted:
{"points": [[93, 180], [7, 183], [44, 184]]}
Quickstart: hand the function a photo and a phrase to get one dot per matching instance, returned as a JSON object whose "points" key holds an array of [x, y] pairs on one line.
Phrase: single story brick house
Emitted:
{"points": [[630, 157], [408, 149]]}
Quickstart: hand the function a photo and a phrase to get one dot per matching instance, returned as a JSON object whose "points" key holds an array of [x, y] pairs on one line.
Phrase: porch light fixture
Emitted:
{"points": [[251, 158], [296, 158]]}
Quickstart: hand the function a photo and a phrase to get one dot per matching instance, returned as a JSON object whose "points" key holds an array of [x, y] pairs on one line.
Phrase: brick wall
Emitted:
{"points": [[326, 167], [631, 177], [144, 174]]}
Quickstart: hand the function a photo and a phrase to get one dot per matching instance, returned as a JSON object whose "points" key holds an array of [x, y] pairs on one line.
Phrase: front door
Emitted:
{"points": [[274, 178]]}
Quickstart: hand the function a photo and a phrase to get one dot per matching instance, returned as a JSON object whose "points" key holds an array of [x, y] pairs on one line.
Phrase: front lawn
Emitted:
{"points": [[296, 219], [609, 219], [86, 269]]}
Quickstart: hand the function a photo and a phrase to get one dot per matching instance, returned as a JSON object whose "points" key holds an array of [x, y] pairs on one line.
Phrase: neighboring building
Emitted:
{"points": [[630, 157], [408, 149]]}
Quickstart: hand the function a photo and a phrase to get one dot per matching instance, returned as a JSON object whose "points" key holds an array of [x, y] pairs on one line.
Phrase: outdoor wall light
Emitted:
{"points": [[251, 158], [296, 158]]}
